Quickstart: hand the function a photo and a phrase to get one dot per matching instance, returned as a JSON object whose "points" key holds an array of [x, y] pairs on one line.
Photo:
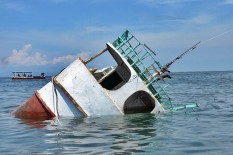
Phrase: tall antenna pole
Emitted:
{"points": [[165, 68]]}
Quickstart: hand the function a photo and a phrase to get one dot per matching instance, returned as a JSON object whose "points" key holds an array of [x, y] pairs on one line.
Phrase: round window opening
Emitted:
{"points": [[139, 102]]}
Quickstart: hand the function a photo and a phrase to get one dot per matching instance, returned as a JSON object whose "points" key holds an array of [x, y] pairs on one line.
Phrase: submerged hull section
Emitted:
{"points": [[34, 108], [78, 91], [75, 92], [84, 91]]}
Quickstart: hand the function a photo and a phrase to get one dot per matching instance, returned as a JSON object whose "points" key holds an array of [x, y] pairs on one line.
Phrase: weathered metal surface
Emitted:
{"points": [[58, 102], [34, 108], [70, 97], [86, 91], [133, 85]]}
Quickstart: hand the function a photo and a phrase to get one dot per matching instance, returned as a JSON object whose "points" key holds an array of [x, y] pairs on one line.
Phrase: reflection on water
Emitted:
{"points": [[137, 133], [110, 134]]}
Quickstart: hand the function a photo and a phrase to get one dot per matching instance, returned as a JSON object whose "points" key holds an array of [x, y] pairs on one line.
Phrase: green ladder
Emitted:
{"points": [[142, 59]]}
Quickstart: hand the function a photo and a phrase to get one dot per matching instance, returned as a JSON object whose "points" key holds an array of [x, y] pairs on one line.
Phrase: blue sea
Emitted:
{"points": [[205, 130]]}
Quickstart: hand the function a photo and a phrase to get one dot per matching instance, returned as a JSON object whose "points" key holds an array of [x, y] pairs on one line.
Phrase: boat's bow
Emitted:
{"points": [[34, 108]]}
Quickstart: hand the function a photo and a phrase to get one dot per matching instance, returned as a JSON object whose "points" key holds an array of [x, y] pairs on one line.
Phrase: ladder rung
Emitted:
{"points": [[137, 56]]}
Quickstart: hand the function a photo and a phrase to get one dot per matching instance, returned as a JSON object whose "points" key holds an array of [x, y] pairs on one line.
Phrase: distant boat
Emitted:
{"points": [[26, 76]]}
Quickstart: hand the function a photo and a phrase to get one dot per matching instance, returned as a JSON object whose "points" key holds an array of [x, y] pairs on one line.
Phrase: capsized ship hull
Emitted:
{"points": [[130, 87]]}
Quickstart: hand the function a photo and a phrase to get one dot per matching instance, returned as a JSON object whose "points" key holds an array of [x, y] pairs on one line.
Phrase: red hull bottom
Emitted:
{"points": [[33, 109]]}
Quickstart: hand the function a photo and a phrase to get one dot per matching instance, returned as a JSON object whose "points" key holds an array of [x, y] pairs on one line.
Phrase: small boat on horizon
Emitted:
{"points": [[26, 76]]}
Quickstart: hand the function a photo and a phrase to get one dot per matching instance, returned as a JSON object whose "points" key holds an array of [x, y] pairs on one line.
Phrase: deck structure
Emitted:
{"points": [[133, 85]]}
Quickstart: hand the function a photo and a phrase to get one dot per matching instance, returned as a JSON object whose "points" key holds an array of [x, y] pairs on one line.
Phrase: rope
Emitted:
{"points": [[216, 36], [56, 121], [55, 92], [164, 69]]}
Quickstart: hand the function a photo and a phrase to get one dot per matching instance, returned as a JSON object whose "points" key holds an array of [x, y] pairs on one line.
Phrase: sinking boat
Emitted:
{"points": [[26, 76], [132, 86]]}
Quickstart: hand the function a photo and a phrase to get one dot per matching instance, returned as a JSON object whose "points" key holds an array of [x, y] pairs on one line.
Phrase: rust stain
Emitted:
{"points": [[33, 109]]}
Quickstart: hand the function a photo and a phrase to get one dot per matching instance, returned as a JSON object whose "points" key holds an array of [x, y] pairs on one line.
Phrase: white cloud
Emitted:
{"points": [[202, 19], [24, 57], [64, 59], [228, 1], [69, 58]]}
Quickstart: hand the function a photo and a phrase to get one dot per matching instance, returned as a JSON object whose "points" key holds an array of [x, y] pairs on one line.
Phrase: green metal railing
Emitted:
{"points": [[142, 59]]}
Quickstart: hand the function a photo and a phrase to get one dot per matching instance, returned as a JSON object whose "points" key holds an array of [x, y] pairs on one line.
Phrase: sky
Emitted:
{"points": [[47, 35]]}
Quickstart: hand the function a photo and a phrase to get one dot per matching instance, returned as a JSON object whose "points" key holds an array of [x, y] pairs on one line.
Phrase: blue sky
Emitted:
{"points": [[47, 35]]}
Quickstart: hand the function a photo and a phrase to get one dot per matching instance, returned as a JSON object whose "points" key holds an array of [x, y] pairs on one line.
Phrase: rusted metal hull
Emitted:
{"points": [[34, 108]]}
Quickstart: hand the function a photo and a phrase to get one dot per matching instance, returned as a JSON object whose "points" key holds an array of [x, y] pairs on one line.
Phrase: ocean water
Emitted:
{"points": [[205, 130]]}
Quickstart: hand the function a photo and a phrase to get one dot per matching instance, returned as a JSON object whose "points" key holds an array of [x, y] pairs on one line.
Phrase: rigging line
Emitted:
{"points": [[216, 36], [192, 48]]}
